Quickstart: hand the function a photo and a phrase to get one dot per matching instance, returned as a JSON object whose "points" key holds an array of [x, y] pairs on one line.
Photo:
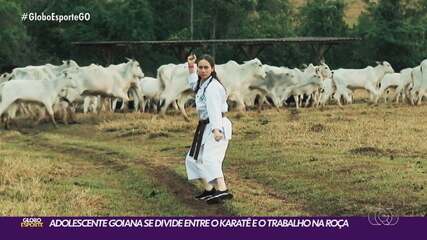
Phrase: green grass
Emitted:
{"points": [[329, 162]]}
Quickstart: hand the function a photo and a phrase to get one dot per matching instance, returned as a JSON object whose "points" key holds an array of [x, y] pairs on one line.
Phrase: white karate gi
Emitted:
{"points": [[211, 102]]}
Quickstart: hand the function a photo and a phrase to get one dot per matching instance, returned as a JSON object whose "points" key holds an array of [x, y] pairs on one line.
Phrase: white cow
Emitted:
{"points": [[390, 81], [173, 80], [307, 84], [238, 79], [324, 71], [164, 74], [133, 95], [277, 79], [85, 103], [32, 73], [45, 92], [150, 88], [367, 78], [111, 81], [419, 89], [327, 91], [405, 83], [91, 103], [47, 71]]}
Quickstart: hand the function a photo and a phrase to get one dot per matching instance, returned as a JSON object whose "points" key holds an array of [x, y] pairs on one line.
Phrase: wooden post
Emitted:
{"points": [[237, 53], [320, 50], [252, 51], [181, 52], [107, 54]]}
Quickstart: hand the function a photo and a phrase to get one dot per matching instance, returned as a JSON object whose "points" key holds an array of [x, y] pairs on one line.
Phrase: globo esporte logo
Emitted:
{"points": [[382, 217], [31, 223]]}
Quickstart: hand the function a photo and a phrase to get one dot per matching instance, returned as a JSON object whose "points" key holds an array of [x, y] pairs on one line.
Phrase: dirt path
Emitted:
{"points": [[257, 198], [182, 189], [251, 197], [163, 174]]}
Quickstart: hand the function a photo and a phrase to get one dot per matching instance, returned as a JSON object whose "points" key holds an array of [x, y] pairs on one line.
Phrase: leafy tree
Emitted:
{"points": [[13, 35], [110, 21], [247, 19], [394, 31], [272, 19], [322, 18], [319, 18]]}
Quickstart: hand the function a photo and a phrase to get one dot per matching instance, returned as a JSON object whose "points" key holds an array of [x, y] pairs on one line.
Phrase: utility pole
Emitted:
{"points": [[214, 19], [191, 18]]}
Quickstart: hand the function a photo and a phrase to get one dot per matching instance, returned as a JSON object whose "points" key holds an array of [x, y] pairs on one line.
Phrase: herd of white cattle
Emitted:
{"points": [[38, 92]]}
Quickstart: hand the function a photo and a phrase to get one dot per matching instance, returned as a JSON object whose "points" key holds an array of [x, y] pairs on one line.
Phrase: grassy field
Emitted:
{"points": [[311, 162]]}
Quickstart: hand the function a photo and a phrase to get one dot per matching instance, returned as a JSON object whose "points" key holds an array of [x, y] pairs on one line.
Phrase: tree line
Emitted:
{"points": [[392, 30]]}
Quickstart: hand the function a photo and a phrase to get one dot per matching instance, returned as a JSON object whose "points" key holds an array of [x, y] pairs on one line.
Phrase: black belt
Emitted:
{"points": [[198, 137]]}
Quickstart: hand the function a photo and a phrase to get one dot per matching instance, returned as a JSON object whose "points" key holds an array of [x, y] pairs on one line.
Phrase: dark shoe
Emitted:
{"points": [[219, 196], [206, 194]]}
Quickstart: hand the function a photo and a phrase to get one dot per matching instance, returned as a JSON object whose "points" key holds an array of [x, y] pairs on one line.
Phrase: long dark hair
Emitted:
{"points": [[211, 62]]}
